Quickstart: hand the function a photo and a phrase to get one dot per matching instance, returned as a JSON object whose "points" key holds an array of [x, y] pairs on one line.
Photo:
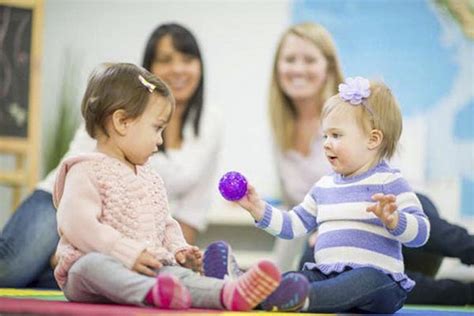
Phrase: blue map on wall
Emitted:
{"points": [[426, 59]]}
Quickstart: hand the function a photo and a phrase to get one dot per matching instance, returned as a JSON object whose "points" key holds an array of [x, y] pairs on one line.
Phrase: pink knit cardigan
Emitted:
{"points": [[104, 206]]}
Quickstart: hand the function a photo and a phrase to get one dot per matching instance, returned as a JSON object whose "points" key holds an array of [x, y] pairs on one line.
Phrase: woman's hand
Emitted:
{"points": [[190, 258], [146, 264], [385, 209], [252, 203]]}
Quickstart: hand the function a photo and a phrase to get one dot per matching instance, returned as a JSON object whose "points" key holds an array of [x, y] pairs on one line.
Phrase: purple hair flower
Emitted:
{"points": [[354, 90]]}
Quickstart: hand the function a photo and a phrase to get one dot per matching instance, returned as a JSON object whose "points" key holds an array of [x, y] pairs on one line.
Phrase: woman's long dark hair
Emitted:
{"points": [[184, 42]]}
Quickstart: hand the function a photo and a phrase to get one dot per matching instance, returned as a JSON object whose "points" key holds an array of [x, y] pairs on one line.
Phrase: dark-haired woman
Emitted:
{"points": [[192, 138]]}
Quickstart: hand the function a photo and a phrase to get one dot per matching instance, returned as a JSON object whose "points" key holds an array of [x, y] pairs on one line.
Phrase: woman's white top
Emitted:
{"points": [[81, 143], [189, 173], [298, 173]]}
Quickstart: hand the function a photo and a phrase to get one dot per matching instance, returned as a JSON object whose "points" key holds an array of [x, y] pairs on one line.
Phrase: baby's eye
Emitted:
{"points": [[335, 135], [325, 136]]}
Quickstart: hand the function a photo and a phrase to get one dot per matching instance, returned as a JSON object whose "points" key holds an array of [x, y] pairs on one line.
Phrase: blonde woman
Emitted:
{"points": [[306, 72]]}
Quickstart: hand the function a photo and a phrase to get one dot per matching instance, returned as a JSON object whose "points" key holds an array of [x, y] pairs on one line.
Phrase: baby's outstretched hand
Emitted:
{"points": [[252, 203], [190, 258], [385, 209]]}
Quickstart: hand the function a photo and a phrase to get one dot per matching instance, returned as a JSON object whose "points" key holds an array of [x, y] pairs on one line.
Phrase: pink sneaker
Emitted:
{"points": [[252, 287], [168, 293]]}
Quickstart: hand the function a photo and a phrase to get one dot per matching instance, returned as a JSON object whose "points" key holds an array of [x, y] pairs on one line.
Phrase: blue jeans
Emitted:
{"points": [[361, 290], [27, 242]]}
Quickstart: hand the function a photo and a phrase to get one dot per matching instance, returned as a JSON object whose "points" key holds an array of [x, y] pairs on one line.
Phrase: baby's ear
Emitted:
{"points": [[120, 122], [375, 139]]}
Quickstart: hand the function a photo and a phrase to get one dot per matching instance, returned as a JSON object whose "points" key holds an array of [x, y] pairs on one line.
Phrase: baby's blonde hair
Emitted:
{"points": [[379, 111]]}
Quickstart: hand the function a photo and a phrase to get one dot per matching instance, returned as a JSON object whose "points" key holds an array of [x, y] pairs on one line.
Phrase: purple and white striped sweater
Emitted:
{"points": [[348, 235]]}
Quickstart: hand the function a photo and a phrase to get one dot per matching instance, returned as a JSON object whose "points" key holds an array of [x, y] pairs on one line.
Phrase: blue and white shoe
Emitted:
{"points": [[219, 262], [289, 296]]}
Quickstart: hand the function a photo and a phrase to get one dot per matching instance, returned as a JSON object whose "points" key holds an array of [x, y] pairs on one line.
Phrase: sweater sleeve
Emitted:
{"points": [[174, 239], [78, 216], [413, 228], [290, 224]]}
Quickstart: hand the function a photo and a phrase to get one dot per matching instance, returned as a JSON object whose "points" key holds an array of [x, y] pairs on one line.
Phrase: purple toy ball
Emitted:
{"points": [[233, 186]]}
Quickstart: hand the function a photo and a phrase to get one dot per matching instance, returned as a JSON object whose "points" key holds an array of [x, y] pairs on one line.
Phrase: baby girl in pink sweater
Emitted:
{"points": [[118, 241]]}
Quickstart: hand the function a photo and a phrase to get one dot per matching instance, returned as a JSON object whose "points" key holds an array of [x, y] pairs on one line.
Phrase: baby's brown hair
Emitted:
{"points": [[114, 86]]}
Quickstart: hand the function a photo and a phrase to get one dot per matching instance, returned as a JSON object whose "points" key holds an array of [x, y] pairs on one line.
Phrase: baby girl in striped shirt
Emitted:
{"points": [[358, 255], [118, 241]]}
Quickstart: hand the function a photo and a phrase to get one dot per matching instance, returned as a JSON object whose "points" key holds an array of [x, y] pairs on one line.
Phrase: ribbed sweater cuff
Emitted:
{"points": [[176, 249], [267, 216], [401, 226], [127, 251]]}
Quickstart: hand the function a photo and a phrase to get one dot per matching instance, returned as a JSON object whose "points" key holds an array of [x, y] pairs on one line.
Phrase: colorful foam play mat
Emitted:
{"points": [[47, 302]]}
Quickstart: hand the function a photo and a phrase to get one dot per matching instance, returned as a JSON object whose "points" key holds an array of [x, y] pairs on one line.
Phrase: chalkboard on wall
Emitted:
{"points": [[20, 62], [15, 51]]}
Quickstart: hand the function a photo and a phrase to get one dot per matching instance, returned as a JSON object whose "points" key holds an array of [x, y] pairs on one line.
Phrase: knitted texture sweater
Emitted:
{"points": [[348, 235], [104, 206]]}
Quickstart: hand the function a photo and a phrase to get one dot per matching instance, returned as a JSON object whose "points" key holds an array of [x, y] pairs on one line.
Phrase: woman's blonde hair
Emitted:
{"points": [[282, 110], [379, 111], [114, 86]]}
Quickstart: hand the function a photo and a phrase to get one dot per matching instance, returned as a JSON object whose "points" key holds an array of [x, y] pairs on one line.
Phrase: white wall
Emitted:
{"points": [[237, 39]]}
